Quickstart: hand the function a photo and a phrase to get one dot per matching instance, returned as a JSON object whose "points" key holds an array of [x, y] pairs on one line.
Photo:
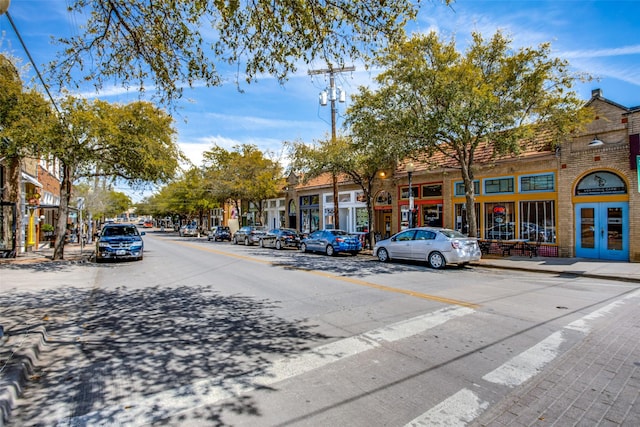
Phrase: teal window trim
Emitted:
{"points": [[460, 184], [499, 182], [550, 175]]}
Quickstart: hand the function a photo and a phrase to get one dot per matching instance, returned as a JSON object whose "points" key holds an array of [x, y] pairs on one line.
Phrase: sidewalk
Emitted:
{"points": [[72, 253], [613, 270]]}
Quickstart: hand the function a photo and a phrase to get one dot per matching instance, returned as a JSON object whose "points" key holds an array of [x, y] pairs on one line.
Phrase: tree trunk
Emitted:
{"points": [[467, 177], [63, 213], [14, 195]]}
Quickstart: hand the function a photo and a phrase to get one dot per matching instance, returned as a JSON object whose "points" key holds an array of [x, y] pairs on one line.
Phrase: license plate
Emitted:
{"points": [[121, 252]]}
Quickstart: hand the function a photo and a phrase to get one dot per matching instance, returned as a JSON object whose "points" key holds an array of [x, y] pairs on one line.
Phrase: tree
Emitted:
{"points": [[435, 99], [244, 174], [169, 42], [133, 142], [24, 114]]}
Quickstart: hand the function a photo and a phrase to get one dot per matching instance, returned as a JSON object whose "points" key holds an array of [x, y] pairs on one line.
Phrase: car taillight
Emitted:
{"points": [[339, 239], [455, 244]]}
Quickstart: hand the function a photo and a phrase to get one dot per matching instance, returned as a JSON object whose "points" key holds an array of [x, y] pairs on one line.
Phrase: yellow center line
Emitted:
{"points": [[352, 280]]}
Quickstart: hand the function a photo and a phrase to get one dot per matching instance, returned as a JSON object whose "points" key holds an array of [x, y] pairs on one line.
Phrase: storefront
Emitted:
{"points": [[602, 216], [352, 211]]}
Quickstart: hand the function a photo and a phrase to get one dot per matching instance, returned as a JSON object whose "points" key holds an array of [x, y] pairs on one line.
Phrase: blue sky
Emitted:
{"points": [[599, 37]]}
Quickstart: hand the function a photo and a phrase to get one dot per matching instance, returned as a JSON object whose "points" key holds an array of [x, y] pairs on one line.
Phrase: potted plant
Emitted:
{"points": [[48, 231]]}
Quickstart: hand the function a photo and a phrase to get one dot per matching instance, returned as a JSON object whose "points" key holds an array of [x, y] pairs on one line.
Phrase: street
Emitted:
{"points": [[210, 333]]}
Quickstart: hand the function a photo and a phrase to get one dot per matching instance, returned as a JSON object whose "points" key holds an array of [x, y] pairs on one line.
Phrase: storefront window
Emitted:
{"points": [[404, 193], [542, 182], [500, 221], [459, 188], [362, 219], [538, 221], [432, 215], [498, 185], [461, 217], [432, 190]]}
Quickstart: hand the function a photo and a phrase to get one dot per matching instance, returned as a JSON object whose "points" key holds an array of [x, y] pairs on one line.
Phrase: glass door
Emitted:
{"points": [[601, 232]]}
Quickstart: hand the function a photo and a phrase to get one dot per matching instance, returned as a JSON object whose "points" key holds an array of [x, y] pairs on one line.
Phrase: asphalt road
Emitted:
{"points": [[204, 333]]}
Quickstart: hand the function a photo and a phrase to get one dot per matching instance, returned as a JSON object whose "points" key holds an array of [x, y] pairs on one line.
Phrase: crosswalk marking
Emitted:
{"points": [[207, 392]]}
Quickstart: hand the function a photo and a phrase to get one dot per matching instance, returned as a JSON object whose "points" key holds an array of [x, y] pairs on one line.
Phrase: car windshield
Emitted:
{"points": [[120, 231], [339, 233]]}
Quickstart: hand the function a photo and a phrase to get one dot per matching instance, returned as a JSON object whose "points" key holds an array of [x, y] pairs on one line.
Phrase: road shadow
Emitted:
{"points": [[106, 348]]}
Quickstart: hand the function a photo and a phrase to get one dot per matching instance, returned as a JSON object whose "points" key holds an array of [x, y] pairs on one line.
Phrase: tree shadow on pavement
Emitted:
{"points": [[112, 348]]}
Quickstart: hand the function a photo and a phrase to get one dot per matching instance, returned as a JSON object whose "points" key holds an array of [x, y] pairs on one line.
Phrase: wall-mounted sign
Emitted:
{"points": [[601, 182]]}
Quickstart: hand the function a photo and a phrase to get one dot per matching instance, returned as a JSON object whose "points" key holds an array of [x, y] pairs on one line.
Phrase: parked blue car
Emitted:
{"points": [[331, 242]]}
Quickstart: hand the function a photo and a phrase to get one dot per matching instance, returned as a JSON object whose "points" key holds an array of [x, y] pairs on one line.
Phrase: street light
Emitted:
{"points": [[410, 169]]}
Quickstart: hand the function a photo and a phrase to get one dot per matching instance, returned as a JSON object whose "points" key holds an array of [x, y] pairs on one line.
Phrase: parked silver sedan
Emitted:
{"points": [[437, 246]]}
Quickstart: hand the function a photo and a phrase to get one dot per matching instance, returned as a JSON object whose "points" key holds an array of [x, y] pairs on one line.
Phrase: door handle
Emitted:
{"points": [[602, 232]]}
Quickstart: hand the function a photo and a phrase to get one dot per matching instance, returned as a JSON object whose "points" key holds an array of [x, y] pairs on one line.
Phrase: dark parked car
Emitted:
{"points": [[219, 233], [280, 238], [437, 246], [331, 242], [119, 241], [249, 234]]}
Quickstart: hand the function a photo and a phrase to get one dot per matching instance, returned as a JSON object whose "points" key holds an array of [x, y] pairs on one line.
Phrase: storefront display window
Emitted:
{"points": [[432, 215], [500, 221], [461, 224], [362, 220], [538, 221]]}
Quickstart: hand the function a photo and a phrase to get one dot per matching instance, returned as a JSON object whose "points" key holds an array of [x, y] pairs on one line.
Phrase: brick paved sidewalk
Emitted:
{"points": [[596, 383]]}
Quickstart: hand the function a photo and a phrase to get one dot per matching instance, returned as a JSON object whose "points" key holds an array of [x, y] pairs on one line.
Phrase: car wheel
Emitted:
{"points": [[278, 244], [383, 255], [303, 247], [329, 250], [436, 260], [246, 241]]}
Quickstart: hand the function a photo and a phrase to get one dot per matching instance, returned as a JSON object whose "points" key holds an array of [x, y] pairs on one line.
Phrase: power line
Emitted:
{"points": [[35, 67]]}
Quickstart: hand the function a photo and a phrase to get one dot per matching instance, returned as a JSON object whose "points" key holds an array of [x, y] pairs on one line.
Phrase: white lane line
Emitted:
{"points": [[206, 392], [457, 410]]}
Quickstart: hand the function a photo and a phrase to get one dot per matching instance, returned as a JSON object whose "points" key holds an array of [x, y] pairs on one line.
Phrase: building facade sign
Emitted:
{"points": [[601, 182]]}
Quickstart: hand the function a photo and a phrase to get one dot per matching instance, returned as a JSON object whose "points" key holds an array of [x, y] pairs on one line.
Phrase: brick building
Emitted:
{"points": [[579, 200]]}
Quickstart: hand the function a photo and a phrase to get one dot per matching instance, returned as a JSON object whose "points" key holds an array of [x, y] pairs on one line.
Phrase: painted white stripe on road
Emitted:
{"points": [[458, 410], [582, 324], [207, 392], [528, 363]]}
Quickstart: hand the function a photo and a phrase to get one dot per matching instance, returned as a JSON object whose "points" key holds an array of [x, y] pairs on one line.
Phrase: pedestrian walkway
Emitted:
{"points": [[596, 383], [602, 269], [72, 252]]}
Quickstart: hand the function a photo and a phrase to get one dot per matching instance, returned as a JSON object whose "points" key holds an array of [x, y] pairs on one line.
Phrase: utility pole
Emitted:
{"points": [[333, 96]]}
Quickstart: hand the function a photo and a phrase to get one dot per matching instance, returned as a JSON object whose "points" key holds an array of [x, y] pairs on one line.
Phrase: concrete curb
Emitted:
{"points": [[617, 278]]}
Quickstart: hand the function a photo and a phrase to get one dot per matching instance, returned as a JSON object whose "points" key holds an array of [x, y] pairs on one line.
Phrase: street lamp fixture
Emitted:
{"points": [[410, 168], [596, 142]]}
